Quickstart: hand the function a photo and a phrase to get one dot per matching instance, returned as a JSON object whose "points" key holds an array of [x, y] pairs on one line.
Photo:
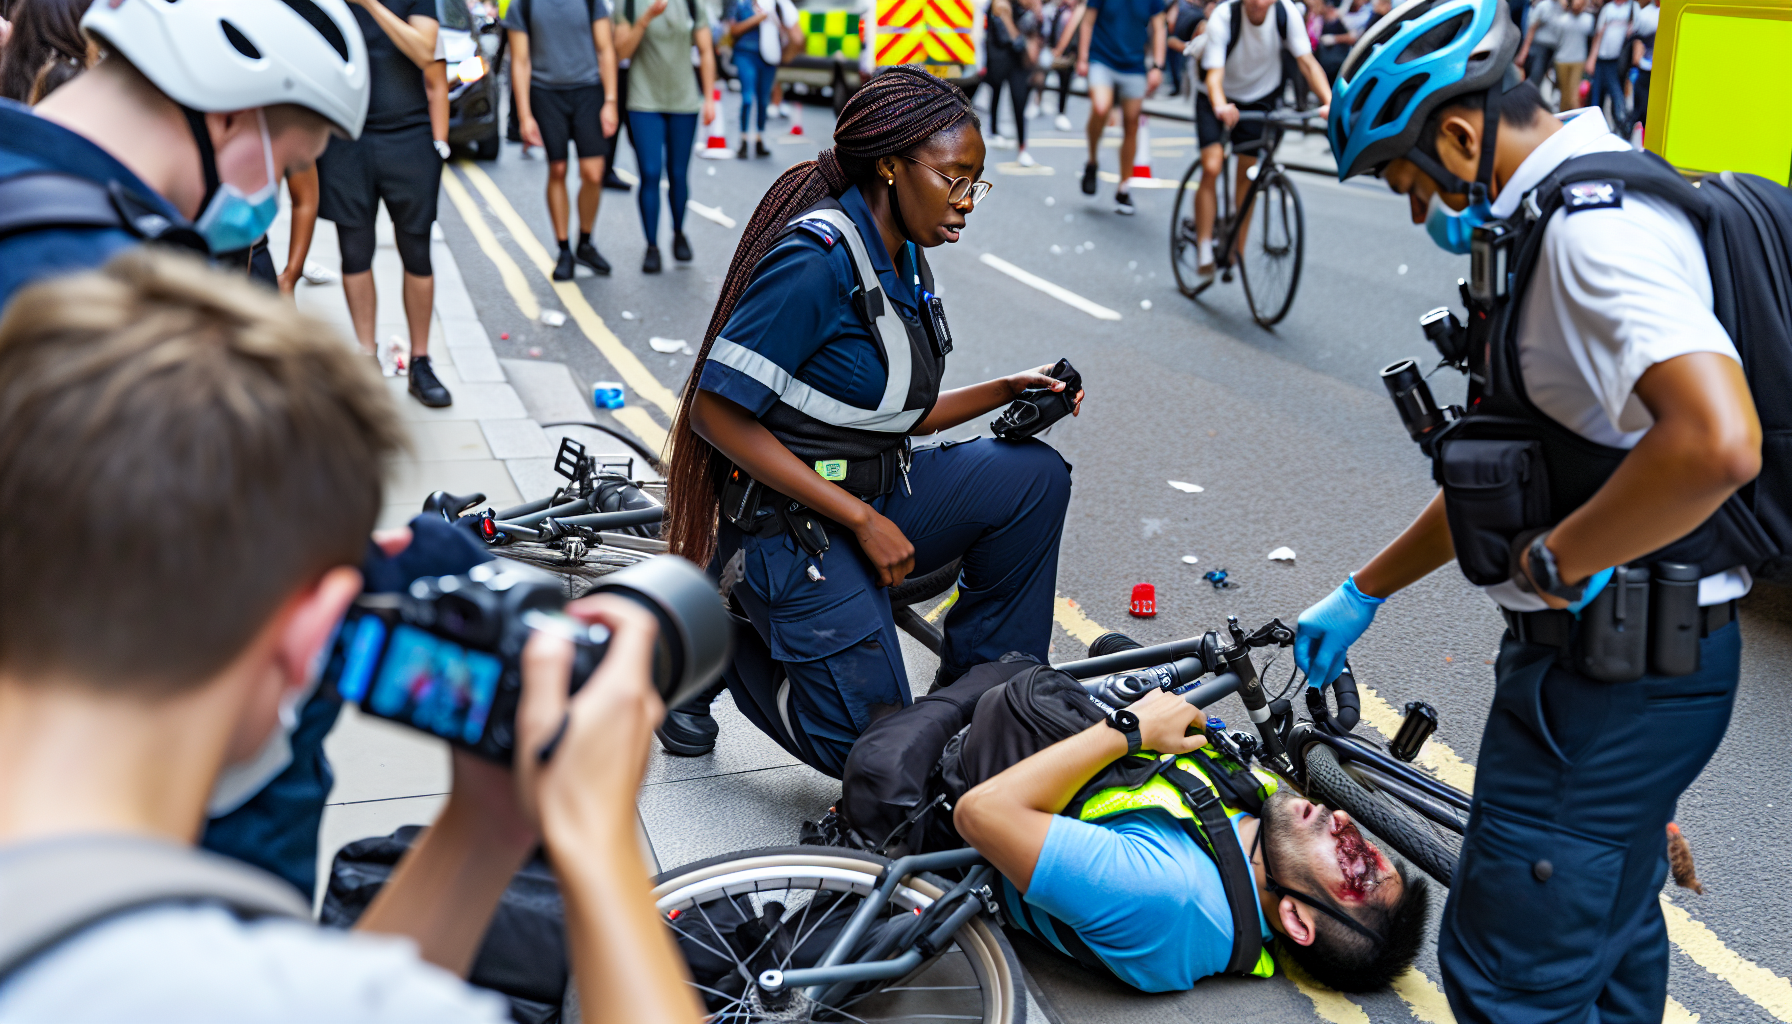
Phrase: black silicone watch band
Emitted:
{"points": [[1127, 724]]}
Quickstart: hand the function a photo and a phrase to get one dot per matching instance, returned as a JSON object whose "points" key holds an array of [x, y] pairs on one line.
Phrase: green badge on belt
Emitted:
{"points": [[831, 469]]}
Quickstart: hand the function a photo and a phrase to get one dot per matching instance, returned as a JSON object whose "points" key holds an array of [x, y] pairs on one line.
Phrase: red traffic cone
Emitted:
{"points": [[1144, 600], [715, 145], [1141, 156], [796, 119]]}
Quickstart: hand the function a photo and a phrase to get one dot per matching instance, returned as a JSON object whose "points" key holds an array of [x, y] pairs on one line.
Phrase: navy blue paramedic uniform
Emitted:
{"points": [[797, 354]]}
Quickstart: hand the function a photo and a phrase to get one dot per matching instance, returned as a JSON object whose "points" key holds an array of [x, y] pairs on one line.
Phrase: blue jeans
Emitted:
{"points": [[998, 505], [1554, 915], [662, 145], [1608, 80], [756, 81]]}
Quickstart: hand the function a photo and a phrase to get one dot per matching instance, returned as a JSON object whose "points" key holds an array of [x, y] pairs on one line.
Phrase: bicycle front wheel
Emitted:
{"points": [[739, 914], [1270, 257], [1431, 847], [1185, 255]]}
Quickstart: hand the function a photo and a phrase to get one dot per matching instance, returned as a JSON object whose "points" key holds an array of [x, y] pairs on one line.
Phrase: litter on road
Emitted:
{"points": [[606, 394], [1144, 600], [670, 345], [553, 318], [1187, 487], [1189, 559], [1282, 554]]}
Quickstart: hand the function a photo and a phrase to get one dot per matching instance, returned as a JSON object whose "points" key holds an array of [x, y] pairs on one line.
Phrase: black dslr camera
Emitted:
{"points": [[445, 656]]}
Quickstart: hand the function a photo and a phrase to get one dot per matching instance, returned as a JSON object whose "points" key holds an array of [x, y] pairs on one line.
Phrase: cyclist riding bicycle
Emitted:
{"points": [[1242, 70], [1609, 423]]}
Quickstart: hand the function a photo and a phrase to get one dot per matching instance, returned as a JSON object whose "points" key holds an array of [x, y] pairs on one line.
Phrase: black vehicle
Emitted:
{"points": [[470, 43]]}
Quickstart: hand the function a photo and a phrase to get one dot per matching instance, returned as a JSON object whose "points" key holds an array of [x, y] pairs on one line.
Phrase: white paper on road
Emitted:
{"points": [[1186, 487], [1282, 554], [553, 317], [670, 345]]}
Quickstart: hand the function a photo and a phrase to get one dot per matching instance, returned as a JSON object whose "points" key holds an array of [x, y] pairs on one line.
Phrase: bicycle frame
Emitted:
{"points": [[1229, 221]]}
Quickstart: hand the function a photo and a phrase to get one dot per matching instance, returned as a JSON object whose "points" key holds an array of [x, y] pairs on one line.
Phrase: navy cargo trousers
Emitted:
{"points": [[1555, 915], [834, 661]]}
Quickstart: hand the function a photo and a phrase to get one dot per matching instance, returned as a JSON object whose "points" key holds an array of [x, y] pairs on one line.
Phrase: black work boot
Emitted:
{"points": [[563, 267], [650, 264], [681, 247], [426, 387], [689, 730]]}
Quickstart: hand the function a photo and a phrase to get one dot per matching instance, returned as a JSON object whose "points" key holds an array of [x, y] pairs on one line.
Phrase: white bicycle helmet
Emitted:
{"points": [[219, 55]]}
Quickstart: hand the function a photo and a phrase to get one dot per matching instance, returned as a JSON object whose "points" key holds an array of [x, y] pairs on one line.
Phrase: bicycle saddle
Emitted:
{"points": [[451, 506]]}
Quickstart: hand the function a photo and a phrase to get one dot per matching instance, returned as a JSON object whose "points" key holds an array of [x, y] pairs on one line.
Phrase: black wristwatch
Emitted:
{"points": [[1126, 723], [1544, 574]]}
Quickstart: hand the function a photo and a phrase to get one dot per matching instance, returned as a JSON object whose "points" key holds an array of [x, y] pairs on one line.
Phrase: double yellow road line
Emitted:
{"points": [[641, 381], [1760, 985]]}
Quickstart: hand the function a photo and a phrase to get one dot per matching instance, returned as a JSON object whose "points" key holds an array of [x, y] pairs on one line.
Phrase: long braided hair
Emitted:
{"points": [[892, 114]]}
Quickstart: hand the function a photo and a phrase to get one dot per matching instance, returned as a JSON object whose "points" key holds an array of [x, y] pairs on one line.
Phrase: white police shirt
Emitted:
{"points": [[1616, 290]]}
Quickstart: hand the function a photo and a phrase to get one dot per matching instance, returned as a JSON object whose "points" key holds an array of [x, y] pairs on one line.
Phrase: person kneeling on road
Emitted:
{"points": [[1128, 879], [792, 428], [178, 419]]}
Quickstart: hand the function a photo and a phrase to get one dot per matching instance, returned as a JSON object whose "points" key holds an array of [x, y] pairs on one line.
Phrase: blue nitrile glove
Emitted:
{"points": [[1324, 632], [1595, 583]]}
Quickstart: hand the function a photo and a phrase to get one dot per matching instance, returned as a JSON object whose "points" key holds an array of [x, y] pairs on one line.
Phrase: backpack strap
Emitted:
{"points": [[52, 201], [1221, 843], [1238, 26], [55, 889]]}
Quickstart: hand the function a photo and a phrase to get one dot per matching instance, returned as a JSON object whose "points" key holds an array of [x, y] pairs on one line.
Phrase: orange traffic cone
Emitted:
{"points": [[1141, 156], [796, 119], [715, 145]]}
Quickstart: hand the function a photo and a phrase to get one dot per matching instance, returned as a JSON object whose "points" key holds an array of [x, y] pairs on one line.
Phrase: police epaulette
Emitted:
{"points": [[821, 229]]}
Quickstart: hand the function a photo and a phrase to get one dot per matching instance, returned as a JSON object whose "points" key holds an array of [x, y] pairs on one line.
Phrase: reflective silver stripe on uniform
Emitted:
{"points": [[889, 415], [805, 399]]}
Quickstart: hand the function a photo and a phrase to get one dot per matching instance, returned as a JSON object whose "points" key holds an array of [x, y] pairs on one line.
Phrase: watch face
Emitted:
{"points": [[1126, 720]]}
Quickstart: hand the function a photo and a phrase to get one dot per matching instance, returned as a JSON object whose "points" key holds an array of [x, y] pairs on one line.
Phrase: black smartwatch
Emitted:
{"points": [[1543, 575], [1127, 724]]}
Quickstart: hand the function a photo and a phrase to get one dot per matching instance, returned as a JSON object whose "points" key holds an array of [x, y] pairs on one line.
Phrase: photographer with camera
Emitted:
{"points": [[169, 581], [1591, 486]]}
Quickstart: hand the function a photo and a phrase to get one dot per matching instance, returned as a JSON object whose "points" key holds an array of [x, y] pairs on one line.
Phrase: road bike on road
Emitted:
{"points": [[1262, 236]]}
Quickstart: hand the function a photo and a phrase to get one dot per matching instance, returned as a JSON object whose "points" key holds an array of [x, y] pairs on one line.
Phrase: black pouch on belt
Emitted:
{"points": [[1613, 642], [805, 526], [1674, 620], [1039, 408], [1494, 490]]}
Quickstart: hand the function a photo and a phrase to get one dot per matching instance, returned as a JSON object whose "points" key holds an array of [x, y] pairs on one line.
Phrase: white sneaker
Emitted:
{"points": [[1032, 111], [317, 273], [1062, 122], [1025, 159], [1001, 142]]}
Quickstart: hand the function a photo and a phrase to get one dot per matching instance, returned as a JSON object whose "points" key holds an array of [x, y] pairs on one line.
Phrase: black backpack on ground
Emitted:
{"points": [[523, 954]]}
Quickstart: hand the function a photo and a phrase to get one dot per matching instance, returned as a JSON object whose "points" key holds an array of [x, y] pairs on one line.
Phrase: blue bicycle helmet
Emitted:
{"points": [[1422, 54]]}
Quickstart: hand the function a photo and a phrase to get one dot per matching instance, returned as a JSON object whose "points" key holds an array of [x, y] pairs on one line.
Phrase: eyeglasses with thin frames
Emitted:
{"points": [[957, 189]]}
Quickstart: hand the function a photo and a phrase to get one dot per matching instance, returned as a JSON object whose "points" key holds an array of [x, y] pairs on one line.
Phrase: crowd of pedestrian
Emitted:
{"points": [[1591, 53]]}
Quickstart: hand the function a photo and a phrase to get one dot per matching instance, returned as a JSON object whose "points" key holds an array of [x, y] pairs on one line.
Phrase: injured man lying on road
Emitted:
{"points": [[1142, 869]]}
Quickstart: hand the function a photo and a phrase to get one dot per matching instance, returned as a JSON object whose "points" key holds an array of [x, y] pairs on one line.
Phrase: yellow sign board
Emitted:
{"points": [[1720, 95], [926, 32]]}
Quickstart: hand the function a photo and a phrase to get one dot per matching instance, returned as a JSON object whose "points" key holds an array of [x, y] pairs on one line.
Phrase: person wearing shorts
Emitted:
{"points": [[395, 161], [563, 73], [1240, 75], [1120, 50]]}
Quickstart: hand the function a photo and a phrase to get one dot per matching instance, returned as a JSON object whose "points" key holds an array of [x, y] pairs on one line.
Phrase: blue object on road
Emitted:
{"points": [[607, 394], [1324, 632]]}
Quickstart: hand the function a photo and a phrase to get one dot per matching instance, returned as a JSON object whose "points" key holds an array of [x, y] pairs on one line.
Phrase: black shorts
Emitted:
{"points": [[574, 114], [400, 166], [1209, 129]]}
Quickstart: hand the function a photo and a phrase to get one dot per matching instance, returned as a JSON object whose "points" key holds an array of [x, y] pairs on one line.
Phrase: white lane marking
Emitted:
{"points": [[1062, 294]]}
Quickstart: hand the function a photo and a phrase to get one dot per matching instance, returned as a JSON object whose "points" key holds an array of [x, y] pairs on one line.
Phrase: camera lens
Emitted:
{"points": [[696, 634]]}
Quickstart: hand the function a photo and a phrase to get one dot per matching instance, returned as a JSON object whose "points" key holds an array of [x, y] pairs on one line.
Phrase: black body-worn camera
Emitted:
{"points": [[445, 656]]}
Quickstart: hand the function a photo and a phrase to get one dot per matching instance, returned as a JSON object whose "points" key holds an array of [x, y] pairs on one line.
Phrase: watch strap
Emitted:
{"points": [[1129, 727]]}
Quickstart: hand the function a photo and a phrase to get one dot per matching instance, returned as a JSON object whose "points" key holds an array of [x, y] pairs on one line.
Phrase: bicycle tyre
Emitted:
{"points": [[1410, 834], [1280, 231], [1184, 250], [979, 944]]}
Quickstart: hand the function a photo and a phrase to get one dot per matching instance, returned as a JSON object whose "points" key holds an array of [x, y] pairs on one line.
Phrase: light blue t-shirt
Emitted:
{"points": [[1139, 892]]}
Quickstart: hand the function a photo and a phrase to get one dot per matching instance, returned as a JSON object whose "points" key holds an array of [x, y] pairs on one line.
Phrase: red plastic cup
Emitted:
{"points": [[1144, 600]]}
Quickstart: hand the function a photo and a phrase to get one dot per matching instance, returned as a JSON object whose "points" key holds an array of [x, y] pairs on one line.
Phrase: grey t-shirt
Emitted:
{"points": [[1571, 40], [196, 965], [562, 53], [1544, 15], [661, 78]]}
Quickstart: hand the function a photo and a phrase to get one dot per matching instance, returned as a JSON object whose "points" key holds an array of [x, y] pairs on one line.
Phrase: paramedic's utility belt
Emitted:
{"points": [[761, 511], [1642, 622]]}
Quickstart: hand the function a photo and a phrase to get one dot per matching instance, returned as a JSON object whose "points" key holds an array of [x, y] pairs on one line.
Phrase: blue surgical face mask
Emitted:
{"points": [[233, 220], [1450, 229]]}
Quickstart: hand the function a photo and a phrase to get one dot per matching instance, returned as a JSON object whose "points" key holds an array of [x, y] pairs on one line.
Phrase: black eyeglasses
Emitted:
{"points": [[958, 189]]}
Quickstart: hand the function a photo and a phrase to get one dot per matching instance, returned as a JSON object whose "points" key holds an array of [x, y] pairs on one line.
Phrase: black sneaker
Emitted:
{"points": [[681, 247], [612, 182], [650, 264], [563, 265], [690, 730], [742, 154], [425, 387], [1123, 203], [587, 254], [1089, 170], [759, 149]]}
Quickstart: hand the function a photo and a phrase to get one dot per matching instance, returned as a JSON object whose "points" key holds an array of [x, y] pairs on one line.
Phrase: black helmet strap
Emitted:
{"points": [[208, 159], [1481, 190]]}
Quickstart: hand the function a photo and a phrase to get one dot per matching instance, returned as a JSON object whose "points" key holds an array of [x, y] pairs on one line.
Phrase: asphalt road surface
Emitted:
{"points": [[1288, 432]]}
